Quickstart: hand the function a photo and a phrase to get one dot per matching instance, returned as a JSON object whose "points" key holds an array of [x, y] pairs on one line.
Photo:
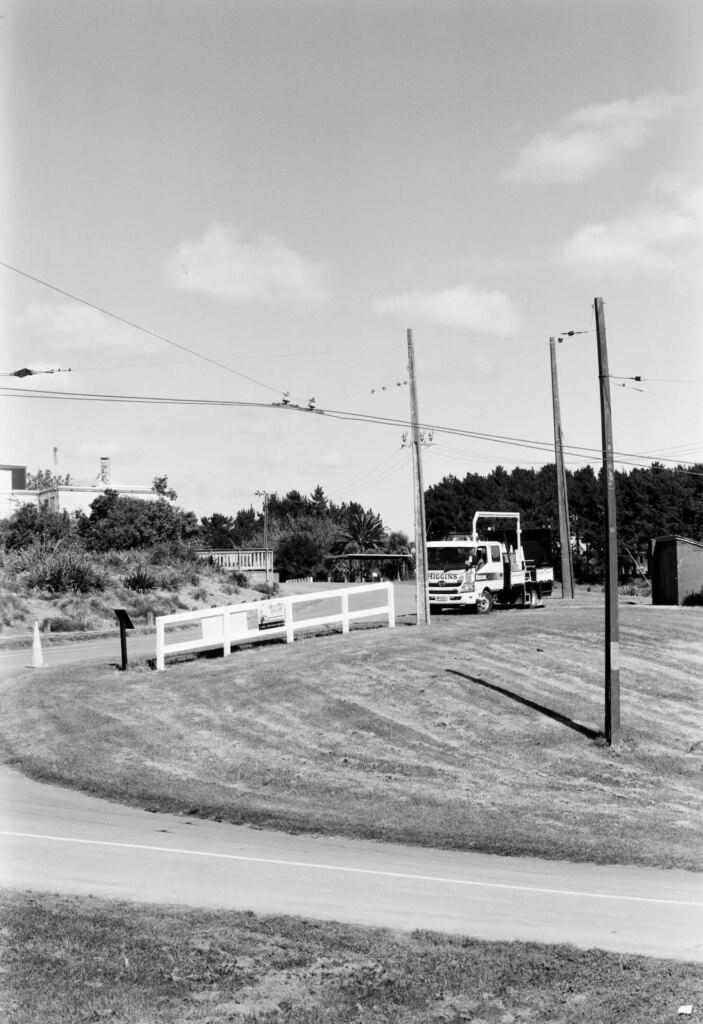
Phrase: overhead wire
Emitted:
{"points": [[655, 394], [402, 464], [366, 474], [575, 451], [138, 327]]}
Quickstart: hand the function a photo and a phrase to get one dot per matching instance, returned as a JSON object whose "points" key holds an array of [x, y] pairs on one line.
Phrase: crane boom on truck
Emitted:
{"points": [[466, 573]]}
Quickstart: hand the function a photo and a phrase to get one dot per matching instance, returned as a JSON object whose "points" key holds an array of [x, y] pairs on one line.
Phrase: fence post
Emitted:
{"points": [[160, 645], [345, 612], [288, 604], [226, 641], [391, 605]]}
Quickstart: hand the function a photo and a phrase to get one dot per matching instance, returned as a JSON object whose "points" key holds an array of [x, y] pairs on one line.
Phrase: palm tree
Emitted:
{"points": [[363, 531]]}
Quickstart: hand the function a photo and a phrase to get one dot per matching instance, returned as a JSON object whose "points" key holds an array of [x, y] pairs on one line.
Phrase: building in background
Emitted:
{"points": [[677, 569], [63, 497]]}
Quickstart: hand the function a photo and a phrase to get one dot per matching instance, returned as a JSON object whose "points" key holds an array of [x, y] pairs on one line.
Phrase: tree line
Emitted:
{"points": [[652, 502], [302, 530]]}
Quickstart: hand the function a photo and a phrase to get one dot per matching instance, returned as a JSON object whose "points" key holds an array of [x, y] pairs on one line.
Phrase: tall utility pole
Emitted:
{"points": [[612, 629], [264, 495], [567, 568], [422, 597]]}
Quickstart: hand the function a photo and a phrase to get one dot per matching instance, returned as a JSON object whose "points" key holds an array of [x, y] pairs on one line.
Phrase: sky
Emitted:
{"points": [[253, 201]]}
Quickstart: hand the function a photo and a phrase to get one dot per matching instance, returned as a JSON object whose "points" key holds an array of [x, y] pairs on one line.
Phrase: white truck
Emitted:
{"points": [[468, 574]]}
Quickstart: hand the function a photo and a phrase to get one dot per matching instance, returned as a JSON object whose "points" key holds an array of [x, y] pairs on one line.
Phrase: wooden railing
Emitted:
{"points": [[241, 559]]}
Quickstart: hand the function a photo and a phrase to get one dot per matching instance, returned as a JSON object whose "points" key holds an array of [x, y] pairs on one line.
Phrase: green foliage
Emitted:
{"points": [[127, 523], [58, 570], [141, 580], [299, 554], [217, 532], [694, 600], [12, 610], [31, 523], [44, 478], [651, 502], [363, 531], [159, 485], [238, 579], [267, 589], [69, 624]]}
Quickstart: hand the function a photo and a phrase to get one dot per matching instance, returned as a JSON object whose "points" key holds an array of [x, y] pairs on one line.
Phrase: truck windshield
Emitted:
{"points": [[449, 558]]}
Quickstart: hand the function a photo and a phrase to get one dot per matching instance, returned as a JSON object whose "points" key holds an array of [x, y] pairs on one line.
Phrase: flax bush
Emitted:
{"points": [[57, 569]]}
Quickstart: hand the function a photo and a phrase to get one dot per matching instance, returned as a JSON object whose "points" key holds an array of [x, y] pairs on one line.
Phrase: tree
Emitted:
{"points": [[44, 478], [218, 531], [363, 531], [318, 501], [298, 554], [125, 523], [30, 523], [159, 485]]}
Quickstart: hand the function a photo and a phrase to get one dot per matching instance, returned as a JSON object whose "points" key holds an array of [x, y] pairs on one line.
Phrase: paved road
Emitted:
{"points": [[61, 841]]}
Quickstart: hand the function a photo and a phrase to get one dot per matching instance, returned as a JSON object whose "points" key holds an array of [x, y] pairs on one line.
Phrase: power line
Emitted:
{"points": [[138, 327], [371, 476], [655, 394], [658, 380], [575, 451]]}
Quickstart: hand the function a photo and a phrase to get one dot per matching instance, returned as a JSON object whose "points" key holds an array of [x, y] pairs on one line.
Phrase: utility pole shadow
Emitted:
{"points": [[592, 734]]}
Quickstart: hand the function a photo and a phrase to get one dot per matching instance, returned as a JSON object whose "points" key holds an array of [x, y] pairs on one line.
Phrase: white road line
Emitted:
{"points": [[356, 871]]}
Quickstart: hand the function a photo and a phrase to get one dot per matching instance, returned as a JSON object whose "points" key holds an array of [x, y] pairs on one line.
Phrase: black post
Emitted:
{"points": [[123, 645], [125, 624]]}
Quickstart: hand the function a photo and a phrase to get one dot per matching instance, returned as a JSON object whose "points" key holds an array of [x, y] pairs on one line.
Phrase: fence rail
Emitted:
{"points": [[232, 624]]}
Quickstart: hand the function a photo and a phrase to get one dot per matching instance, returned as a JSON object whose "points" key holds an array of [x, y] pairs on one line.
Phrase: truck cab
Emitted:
{"points": [[469, 574]]}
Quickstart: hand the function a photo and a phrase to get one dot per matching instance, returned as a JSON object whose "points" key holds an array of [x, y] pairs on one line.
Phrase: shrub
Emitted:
{"points": [[141, 580], [694, 600], [58, 570], [138, 606], [69, 624], [14, 610], [120, 560], [267, 589]]}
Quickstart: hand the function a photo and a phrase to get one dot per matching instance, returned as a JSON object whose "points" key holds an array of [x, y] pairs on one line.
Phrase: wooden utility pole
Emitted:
{"points": [[264, 495], [612, 629], [422, 597], [567, 567]]}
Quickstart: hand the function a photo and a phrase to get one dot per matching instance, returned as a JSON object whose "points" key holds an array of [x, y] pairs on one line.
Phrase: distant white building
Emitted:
{"points": [[73, 497]]}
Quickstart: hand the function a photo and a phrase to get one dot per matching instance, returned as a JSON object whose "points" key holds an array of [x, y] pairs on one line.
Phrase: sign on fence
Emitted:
{"points": [[272, 614]]}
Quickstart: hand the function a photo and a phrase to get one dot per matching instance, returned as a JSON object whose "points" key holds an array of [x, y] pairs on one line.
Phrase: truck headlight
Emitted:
{"points": [[467, 588]]}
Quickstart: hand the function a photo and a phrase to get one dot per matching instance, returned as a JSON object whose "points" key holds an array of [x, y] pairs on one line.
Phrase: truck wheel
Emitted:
{"points": [[485, 603], [533, 599]]}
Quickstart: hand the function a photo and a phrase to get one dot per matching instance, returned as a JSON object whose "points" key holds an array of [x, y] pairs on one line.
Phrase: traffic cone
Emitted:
{"points": [[37, 659]]}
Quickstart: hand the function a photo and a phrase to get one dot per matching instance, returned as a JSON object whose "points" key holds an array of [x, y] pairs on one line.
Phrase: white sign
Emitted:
{"points": [[272, 614]]}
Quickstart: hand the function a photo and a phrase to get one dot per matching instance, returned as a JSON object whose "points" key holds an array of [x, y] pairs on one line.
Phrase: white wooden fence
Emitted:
{"points": [[231, 624]]}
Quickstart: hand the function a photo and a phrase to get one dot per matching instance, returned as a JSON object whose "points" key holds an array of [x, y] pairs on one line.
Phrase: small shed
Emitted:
{"points": [[677, 569]]}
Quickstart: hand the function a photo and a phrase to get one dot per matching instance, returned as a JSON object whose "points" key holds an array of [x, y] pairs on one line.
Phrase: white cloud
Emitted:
{"points": [[461, 308], [232, 264], [664, 236], [591, 138], [59, 329]]}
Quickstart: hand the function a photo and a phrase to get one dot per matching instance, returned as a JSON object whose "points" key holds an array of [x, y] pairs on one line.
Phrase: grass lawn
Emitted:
{"points": [[69, 959], [479, 733]]}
